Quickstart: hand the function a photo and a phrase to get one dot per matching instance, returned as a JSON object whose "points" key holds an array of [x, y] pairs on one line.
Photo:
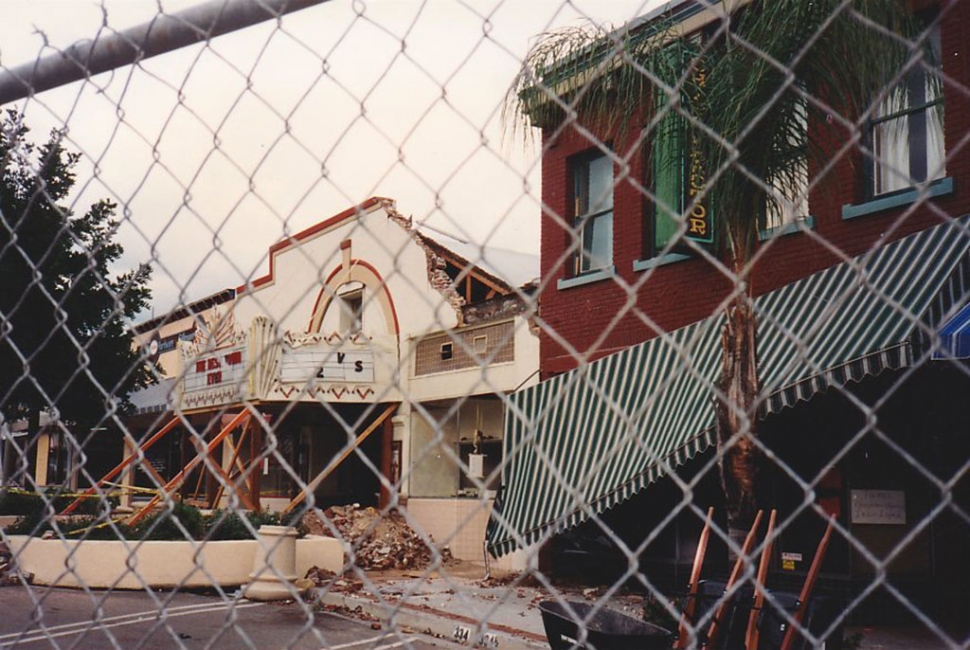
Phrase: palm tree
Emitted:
{"points": [[740, 97]]}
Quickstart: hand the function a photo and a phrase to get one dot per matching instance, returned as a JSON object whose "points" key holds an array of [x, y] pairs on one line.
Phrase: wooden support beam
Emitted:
{"points": [[319, 478], [687, 618], [234, 460], [387, 439], [715, 630], [194, 498], [145, 446], [256, 471], [242, 418], [752, 636], [807, 587]]}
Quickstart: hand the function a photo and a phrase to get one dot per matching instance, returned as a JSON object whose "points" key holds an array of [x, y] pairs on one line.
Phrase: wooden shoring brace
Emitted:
{"points": [[715, 630], [319, 478], [687, 617], [255, 453], [241, 418], [145, 446], [239, 466], [752, 636], [808, 586], [198, 484]]}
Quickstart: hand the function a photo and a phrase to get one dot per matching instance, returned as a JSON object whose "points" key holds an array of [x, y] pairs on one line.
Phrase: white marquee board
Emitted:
{"points": [[324, 363]]}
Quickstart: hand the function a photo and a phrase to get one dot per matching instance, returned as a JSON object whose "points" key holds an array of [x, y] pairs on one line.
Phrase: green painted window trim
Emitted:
{"points": [[607, 273], [799, 225], [940, 187], [660, 260]]}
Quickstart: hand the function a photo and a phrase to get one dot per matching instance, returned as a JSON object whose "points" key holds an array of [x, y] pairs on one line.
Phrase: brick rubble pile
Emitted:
{"points": [[380, 540]]}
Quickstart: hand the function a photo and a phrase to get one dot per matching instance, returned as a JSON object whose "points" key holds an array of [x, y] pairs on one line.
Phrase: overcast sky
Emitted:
{"points": [[217, 151]]}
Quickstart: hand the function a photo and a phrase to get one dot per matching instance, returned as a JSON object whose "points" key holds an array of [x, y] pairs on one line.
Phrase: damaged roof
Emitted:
{"points": [[513, 268]]}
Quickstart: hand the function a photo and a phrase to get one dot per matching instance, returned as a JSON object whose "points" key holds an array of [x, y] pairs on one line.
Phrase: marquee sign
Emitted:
{"points": [[222, 368], [215, 364], [323, 363]]}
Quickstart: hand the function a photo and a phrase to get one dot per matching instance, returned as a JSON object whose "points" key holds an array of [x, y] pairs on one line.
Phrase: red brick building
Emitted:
{"points": [[616, 443], [599, 313]]}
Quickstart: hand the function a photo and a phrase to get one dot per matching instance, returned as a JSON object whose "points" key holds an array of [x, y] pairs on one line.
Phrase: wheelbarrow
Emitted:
{"points": [[581, 625]]}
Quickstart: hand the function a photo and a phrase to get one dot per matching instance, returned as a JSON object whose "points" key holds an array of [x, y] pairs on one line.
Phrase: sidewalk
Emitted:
{"points": [[459, 607], [455, 606]]}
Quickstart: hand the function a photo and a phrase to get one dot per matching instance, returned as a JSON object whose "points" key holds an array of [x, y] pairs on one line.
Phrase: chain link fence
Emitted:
{"points": [[517, 324]]}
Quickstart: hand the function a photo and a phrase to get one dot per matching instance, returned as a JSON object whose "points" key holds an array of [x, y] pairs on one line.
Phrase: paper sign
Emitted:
{"points": [[879, 507]]}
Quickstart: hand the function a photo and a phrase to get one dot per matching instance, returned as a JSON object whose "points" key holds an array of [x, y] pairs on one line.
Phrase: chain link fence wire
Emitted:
{"points": [[519, 324]]}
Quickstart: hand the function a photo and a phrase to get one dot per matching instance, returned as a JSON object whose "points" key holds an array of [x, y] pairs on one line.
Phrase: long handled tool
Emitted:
{"points": [[687, 618], [715, 630], [807, 587], [753, 634]]}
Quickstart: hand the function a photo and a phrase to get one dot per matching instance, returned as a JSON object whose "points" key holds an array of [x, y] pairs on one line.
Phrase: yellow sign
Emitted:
{"points": [[699, 222]]}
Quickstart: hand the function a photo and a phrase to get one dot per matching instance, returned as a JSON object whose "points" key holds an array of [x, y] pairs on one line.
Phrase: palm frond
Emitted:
{"points": [[742, 92]]}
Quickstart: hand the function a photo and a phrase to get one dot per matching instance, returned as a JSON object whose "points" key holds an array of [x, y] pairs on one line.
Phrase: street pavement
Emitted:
{"points": [[375, 611], [35, 618]]}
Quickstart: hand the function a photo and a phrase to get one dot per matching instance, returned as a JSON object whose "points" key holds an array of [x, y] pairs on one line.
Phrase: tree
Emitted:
{"points": [[65, 347], [750, 102]]}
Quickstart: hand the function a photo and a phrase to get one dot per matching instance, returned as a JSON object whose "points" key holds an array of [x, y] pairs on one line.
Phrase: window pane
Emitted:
{"points": [[783, 210], [668, 170], [664, 230], [600, 184], [935, 154], [598, 242], [907, 136], [890, 146], [593, 182]]}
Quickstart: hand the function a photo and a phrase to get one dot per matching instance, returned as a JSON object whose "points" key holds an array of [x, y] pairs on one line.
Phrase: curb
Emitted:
{"points": [[434, 622]]}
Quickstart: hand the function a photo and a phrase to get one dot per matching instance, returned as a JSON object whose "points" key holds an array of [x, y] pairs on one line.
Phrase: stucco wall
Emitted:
{"points": [[119, 565], [458, 524]]}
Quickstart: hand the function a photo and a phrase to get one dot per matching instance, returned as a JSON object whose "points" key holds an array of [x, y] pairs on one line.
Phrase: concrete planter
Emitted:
{"points": [[137, 565]]}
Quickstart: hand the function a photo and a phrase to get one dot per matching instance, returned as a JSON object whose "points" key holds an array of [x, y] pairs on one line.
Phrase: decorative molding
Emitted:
{"points": [[264, 355], [338, 391], [217, 330], [301, 339]]}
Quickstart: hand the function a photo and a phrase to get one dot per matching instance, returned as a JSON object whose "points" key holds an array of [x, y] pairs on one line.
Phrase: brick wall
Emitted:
{"points": [[606, 316], [467, 348]]}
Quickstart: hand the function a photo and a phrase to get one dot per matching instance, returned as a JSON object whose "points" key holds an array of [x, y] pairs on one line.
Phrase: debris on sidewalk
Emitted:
{"points": [[9, 576], [380, 540]]}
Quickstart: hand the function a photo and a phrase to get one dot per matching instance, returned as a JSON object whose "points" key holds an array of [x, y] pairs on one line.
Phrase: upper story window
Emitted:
{"points": [[791, 204], [906, 134], [351, 304], [592, 177]]}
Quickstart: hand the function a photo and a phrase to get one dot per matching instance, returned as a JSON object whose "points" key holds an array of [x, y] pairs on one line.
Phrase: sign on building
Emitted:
{"points": [[878, 507], [310, 364]]}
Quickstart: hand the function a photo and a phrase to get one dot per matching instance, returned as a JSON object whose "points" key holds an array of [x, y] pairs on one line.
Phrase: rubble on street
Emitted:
{"points": [[379, 540]]}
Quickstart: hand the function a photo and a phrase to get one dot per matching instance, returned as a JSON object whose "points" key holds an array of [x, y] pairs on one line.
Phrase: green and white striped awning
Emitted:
{"points": [[588, 439]]}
